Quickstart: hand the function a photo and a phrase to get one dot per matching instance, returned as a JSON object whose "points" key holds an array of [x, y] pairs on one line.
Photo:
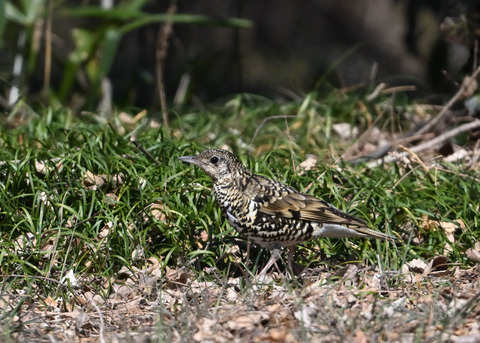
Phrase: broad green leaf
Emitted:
{"points": [[109, 50], [33, 9], [116, 13], [185, 19], [12, 13]]}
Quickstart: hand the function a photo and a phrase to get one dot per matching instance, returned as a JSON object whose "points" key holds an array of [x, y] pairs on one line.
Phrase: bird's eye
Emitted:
{"points": [[214, 160]]}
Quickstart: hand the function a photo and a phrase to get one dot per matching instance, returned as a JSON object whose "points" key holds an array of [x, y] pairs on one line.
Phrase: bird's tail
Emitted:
{"points": [[375, 234]]}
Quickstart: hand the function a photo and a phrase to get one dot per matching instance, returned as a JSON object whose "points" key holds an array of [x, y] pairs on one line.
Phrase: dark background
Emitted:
{"points": [[291, 47]]}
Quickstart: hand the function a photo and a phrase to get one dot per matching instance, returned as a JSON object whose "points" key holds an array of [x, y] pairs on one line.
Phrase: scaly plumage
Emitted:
{"points": [[270, 213]]}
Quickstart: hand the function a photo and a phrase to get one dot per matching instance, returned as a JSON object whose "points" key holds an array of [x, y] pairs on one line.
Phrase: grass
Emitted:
{"points": [[77, 196]]}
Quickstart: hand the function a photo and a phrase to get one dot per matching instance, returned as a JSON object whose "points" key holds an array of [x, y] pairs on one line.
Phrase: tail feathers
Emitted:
{"points": [[375, 234], [342, 231]]}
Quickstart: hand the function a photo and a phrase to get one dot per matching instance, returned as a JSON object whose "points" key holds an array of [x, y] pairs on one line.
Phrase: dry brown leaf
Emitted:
{"points": [[309, 163], [125, 273], [94, 181], [273, 335], [157, 211], [461, 224], [126, 118], [395, 306], [205, 328], [449, 229], [202, 237], [176, 278], [360, 337], [416, 266], [466, 338], [427, 224], [473, 255], [111, 198], [41, 168], [247, 322], [345, 131], [50, 303], [373, 282], [48, 248], [348, 272], [366, 310], [89, 297], [155, 267], [438, 266], [91, 179], [122, 292]]}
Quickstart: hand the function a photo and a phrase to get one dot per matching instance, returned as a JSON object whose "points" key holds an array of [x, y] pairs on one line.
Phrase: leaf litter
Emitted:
{"points": [[426, 300]]}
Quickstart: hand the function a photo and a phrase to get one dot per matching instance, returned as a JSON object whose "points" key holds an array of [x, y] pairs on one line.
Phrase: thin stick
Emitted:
{"points": [[427, 145], [142, 149], [100, 316], [447, 135], [48, 49], [449, 104], [161, 54], [415, 156], [458, 174]]}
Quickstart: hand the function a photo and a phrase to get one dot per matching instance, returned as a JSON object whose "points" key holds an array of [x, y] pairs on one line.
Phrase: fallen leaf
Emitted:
{"points": [[310, 162], [438, 264], [345, 130], [50, 302], [247, 322], [157, 210], [416, 266], [360, 337], [205, 329], [473, 255], [395, 306], [273, 335]]}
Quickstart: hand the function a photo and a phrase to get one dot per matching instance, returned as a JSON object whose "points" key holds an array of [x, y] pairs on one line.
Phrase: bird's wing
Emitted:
{"points": [[276, 199], [305, 207]]}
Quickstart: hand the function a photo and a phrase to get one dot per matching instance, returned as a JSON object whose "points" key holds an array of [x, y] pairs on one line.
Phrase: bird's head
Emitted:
{"points": [[217, 163]]}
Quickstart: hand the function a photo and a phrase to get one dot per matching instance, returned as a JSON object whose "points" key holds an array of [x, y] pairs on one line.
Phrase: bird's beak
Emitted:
{"points": [[189, 159]]}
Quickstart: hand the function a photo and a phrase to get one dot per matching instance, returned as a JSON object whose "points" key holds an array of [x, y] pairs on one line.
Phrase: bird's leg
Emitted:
{"points": [[291, 251], [273, 259]]}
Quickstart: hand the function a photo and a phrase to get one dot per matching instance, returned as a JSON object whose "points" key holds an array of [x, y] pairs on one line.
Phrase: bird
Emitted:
{"points": [[272, 214]]}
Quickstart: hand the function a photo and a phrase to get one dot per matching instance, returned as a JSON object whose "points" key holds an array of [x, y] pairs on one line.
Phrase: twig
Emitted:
{"points": [[376, 91], [447, 135], [465, 85], [48, 49], [142, 149], [415, 156], [427, 145], [459, 174], [100, 316], [161, 54], [403, 177]]}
